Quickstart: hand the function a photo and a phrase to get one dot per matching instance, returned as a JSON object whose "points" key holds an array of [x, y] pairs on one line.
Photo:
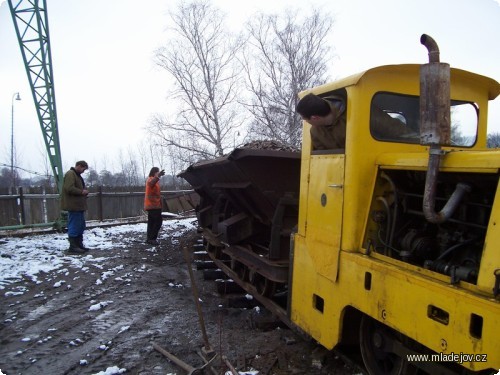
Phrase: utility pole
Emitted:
{"points": [[15, 96]]}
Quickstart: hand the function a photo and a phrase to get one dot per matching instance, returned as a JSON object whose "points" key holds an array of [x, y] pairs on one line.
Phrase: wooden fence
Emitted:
{"points": [[25, 209]]}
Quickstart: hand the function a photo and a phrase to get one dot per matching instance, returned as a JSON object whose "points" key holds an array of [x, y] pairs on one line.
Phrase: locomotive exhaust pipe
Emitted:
{"points": [[435, 126], [435, 129]]}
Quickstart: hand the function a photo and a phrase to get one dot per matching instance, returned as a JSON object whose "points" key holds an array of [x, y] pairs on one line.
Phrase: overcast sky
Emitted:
{"points": [[107, 86]]}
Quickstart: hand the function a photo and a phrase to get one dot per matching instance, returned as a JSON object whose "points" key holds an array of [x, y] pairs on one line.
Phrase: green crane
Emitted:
{"points": [[32, 30]]}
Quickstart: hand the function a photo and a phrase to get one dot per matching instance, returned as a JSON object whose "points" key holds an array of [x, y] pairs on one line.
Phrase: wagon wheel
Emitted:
{"points": [[264, 286], [215, 250], [376, 343], [240, 269]]}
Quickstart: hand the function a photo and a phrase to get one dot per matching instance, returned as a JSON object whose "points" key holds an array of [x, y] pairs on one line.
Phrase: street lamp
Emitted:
{"points": [[15, 96]]}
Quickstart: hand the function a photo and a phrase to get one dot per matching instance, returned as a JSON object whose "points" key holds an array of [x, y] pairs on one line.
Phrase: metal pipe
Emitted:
{"points": [[435, 126], [214, 371], [208, 348], [436, 130], [229, 365], [431, 46], [179, 362], [429, 201], [16, 227], [396, 205], [388, 226], [15, 96]]}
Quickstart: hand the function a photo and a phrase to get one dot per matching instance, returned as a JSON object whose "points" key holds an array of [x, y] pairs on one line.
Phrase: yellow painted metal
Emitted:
{"points": [[401, 299], [472, 161], [401, 296], [324, 212], [486, 84], [490, 261], [304, 178]]}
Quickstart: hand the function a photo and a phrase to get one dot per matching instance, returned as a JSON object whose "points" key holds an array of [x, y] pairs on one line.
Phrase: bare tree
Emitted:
{"points": [[200, 58], [104, 164], [92, 178], [493, 140], [142, 152], [106, 178], [129, 167], [148, 151], [95, 167], [46, 168], [286, 53]]}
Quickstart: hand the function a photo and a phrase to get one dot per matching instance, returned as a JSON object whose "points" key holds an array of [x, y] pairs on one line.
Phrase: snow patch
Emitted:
{"points": [[111, 371], [27, 257], [99, 305]]}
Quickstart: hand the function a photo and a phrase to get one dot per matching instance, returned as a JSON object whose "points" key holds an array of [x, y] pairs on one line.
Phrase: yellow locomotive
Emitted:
{"points": [[389, 244]]}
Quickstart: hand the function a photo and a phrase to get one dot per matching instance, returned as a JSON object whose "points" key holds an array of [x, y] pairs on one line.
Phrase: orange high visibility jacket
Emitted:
{"points": [[152, 199]]}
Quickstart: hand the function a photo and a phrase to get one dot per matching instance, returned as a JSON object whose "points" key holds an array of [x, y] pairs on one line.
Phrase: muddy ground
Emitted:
{"points": [[105, 316]]}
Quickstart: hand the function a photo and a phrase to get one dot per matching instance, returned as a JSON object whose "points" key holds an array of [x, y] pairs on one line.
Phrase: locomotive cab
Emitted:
{"points": [[366, 256]]}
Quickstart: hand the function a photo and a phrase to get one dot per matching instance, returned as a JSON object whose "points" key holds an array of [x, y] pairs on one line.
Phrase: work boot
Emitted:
{"points": [[74, 247], [80, 243]]}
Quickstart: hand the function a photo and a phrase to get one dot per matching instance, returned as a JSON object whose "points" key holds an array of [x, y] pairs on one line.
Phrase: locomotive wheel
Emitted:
{"points": [[376, 341]]}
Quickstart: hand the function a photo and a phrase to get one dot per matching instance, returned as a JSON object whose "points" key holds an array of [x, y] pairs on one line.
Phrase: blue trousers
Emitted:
{"points": [[76, 223]]}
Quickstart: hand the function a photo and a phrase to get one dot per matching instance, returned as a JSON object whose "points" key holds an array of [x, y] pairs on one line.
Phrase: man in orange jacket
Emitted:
{"points": [[152, 204]]}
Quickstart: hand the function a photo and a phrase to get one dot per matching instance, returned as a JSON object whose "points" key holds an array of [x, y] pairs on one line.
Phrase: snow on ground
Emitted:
{"points": [[28, 256], [34, 257]]}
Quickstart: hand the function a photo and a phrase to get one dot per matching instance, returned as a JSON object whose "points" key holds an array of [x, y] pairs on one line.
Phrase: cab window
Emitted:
{"points": [[396, 118]]}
